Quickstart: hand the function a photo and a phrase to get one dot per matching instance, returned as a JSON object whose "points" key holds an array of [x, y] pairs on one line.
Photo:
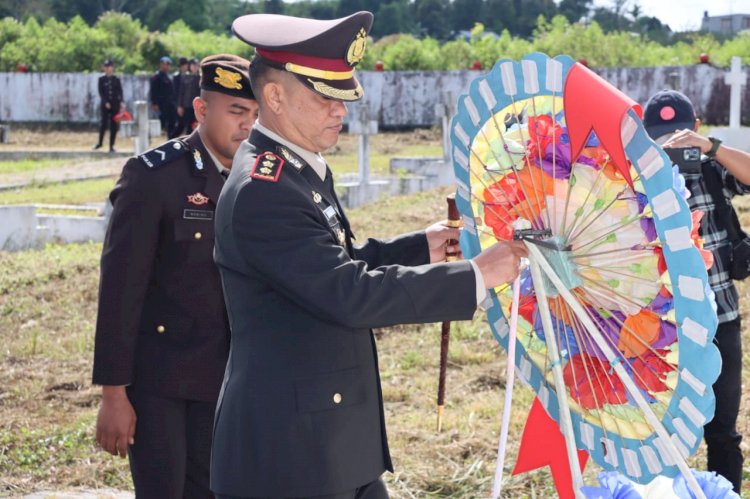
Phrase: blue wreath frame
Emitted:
{"points": [[699, 361]]}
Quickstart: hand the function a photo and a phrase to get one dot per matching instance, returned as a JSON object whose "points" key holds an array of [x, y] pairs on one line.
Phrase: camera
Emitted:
{"points": [[687, 159]]}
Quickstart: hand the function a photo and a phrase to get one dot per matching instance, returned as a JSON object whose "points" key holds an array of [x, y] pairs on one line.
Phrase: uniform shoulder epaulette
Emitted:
{"points": [[267, 166], [165, 153]]}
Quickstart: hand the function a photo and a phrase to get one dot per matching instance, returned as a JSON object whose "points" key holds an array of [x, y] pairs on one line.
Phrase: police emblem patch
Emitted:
{"points": [[198, 159], [228, 79], [197, 199], [267, 167], [356, 50]]}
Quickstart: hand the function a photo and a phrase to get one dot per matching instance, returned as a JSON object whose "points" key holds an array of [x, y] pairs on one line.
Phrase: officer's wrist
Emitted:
{"points": [[114, 392]]}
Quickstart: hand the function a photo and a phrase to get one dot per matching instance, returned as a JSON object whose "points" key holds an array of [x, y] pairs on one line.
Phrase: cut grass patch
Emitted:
{"points": [[30, 165], [80, 192], [48, 406]]}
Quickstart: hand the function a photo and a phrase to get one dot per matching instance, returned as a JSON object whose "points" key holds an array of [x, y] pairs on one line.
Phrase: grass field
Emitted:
{"points": [[342, 159], [48, 406], [47, 312]]}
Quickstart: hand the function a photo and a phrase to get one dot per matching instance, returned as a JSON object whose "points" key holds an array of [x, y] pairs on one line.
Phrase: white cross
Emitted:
{"points": [[362, 126], [735, 79]]}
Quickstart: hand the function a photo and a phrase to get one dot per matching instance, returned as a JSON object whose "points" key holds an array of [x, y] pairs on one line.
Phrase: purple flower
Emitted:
{"points": [[714, 486], [613, 486]]}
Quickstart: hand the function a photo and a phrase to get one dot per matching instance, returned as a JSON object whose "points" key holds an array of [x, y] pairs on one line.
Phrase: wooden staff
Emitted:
{"points": [[454, 220]]}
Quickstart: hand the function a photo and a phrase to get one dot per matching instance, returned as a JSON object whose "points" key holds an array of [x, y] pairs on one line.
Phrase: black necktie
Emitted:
{"points": [[224, 173]]}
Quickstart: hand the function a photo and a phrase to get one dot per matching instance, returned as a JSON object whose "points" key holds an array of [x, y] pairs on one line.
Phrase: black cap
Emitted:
{"points": [[226, 74], [321, 54], [183, 61], [194, 60], [108, 63], [667, 111]]}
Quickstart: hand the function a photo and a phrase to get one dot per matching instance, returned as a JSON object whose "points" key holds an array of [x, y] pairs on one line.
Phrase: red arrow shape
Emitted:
{"points": [[592, 103], [542, 444]]}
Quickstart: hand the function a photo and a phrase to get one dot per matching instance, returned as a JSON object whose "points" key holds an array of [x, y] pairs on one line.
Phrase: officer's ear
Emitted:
{"points": [[697, 125], [273, 96], [200, 107]]}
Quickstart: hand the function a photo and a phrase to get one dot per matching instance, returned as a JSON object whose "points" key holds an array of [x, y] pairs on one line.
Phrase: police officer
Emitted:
{"points": [[163, 96], [110, 93], [189, 90], [162, 335], [301, 410]]}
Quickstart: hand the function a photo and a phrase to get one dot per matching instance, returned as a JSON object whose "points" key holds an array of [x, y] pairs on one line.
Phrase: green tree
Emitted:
{"points": [[432, 17], [393, 17], [464, 13], [574, 10]]}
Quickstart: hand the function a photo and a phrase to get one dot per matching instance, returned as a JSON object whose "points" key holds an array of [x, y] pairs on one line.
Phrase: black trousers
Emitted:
{"points": [[171, 455], [373, 490], [108, 123], [722, 438]]}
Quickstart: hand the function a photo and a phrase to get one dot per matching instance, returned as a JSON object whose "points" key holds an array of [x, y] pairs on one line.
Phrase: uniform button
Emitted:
{"points": [[337, 398], [160, 329], [197, 236]]}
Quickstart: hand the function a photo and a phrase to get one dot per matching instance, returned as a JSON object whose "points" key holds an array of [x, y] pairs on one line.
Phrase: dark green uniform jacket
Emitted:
{"points": [[301, 410]]}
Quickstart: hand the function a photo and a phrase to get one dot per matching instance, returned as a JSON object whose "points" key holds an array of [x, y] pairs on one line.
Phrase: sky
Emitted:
{"points": [[682, 15]]}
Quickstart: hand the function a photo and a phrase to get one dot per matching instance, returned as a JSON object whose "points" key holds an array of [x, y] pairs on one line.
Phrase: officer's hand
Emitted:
{"points": [[437, 239], [500, 263], [688, 138], [180, 111], [115, 424]]}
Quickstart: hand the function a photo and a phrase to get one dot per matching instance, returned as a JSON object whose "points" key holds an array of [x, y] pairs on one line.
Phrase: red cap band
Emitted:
{"points": [[322, 63]]}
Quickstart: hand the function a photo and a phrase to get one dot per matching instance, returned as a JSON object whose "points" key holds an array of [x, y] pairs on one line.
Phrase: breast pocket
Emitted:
{"points": [[195, 238], [330, 391]]}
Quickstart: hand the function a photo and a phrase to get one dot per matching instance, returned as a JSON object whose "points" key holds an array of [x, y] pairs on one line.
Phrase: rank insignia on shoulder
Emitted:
{"points": [[163, 154], [197, 199], [267, 167], [288, 155]]}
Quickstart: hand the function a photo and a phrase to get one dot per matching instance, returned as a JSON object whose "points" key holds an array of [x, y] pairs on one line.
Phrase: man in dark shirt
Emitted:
{"points": [[669, 118], [110, 93], [163, 96], [189, 90]]}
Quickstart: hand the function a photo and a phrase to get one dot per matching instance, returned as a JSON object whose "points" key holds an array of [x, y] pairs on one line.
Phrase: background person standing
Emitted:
{"points": [[163, 96], [110, 93]]}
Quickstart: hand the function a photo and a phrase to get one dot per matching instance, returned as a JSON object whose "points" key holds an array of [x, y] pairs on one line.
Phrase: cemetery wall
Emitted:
{"points": [[396, 99]]}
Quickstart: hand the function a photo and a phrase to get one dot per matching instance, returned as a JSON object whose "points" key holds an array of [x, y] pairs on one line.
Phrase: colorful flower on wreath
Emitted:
{"points": [[516, 195], [592, 382], [650, 371]]}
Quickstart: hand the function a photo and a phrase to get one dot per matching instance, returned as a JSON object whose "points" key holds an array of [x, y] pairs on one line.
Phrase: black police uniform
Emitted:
{"points": [[110, 92], [162, 327], [301, 409], [164, 96]]}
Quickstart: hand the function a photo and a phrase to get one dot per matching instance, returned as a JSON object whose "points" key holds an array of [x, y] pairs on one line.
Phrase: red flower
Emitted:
{"points": [[650, 371], [543, 131], [590, 382]]}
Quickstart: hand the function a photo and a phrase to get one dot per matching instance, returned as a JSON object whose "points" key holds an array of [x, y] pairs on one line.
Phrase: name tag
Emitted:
{"points": [[330, 213], [198, 214]]}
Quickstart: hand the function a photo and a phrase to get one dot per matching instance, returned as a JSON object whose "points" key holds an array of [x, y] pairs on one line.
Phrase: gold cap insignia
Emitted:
{"points": [[356, 50], [228, 79], [337, 93]]}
